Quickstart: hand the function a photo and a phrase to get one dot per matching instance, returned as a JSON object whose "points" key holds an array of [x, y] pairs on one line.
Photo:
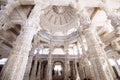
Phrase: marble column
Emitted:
{"points": [[17, 61], [76, 69], [18, 55], [39, 72], [42, 70], [34, 67], [49, 69], [29, 64], [73, 71], [81, 69], [98, 62], [87, 67], [67, 64], [7, 11], [88, 71]]}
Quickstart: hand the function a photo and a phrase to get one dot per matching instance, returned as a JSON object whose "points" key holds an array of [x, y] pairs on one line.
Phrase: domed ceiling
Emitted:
{"points": [[59, 19]]}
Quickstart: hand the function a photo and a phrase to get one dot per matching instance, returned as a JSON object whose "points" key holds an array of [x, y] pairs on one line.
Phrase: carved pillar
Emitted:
{"points": [[87, 68], [81, 69], [8, 10], [34, 67], [45, 69], [67, 64], [42, 70], [76, 69], [98, 62], [49, 73], [17, 61], [29, 64], [88, 71], [18, 55], [73, 71], [39, 73]]}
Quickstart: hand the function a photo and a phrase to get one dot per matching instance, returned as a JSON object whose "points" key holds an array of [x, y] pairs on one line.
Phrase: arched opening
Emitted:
{"points": [[58, 71]]}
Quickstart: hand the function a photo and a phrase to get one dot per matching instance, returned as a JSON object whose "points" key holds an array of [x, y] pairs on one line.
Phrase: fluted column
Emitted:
{"points": [[29, 64], [17, 61], [67, 64], [6, 13]]}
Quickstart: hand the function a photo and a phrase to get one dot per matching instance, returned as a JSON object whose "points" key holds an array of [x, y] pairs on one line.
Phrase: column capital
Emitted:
{"points": [[113, 16]]}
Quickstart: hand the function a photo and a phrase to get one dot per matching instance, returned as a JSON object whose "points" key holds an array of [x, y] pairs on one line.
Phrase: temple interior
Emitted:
{"points": [[59, 39]]}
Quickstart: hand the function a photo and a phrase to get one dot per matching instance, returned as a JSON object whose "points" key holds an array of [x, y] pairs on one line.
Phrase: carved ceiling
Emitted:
{"points": [[59, 19], [56, 19], [62, 19]]}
